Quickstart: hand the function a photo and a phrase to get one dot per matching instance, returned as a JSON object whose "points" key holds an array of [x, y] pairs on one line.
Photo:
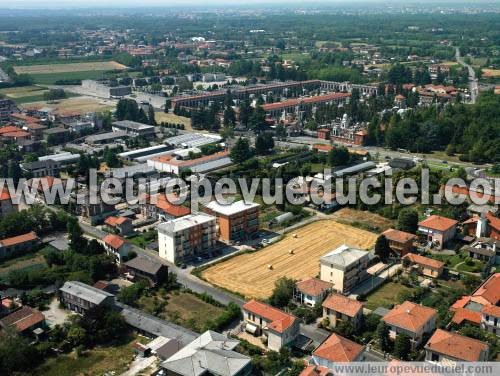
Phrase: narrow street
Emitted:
{"points": [[473, 82]]}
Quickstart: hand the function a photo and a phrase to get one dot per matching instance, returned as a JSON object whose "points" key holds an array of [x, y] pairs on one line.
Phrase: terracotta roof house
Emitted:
{"points": [[337, 349], [338, 308], [411, 319], [316, 371], [311, 291], [122, 225], [116, 246], [425, 265], [159, 207], [17, 245], [447, 347], [6, 204], [473, 308], [438, 230], [279, 327], [401, 242], [24, 320]]}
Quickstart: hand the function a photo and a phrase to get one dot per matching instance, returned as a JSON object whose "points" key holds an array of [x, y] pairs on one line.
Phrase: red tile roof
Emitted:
{"points": [[114, 241], [456, 190], [279, 320], [398, 236], [20, 239], [8, 129], [115, 221], [489, 291], [456, 346], [491, 310], [464, 314], [4, 195], [436, 222], [23, 319], [338, 349], [322, 147], [313, 286], [343, 304], [296, 102], [315, 371], [171, 209], [410, 316], [424, 261]]}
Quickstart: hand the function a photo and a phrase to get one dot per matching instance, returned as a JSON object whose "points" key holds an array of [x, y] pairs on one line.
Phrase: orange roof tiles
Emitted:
{"points": [[315, 371], [23, 319], [114, 241], [343, 304], [279, 320], [313, 286], [322, 147], [171, 209], [456, 190], [491, 310], [456, 346], [20, 239], [115, 221], [338, 349], [4, 195], [409, 316], [296, 102], [8, 129], [489, 291], [464, 314], [398, 236], [436, 222], [424, 261]]}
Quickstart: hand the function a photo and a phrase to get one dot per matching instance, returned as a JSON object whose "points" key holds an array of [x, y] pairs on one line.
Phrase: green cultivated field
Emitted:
{"points": [[51, 78]]}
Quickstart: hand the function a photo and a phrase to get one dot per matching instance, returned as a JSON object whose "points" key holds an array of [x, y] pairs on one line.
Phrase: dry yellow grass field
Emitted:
{"points": [[23, 91], [491, 72], [249, 275], [174, 119], [70, 67], [76, 104]]}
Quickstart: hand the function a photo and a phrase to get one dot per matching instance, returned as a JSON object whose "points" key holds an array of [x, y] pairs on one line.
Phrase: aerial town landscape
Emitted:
{"points": [[233, 189]]}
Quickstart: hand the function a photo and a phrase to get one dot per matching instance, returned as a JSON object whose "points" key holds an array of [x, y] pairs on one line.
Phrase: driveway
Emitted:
{"points": [[55, 315]]}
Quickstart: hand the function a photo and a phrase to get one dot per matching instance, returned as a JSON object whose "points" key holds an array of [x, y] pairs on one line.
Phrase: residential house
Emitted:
{"points": [[484, 249], [486, 226], [159, 207], [468, 308], [143, 268], [116, 246], [7, 107], [80, 297], [400, 242], [411, 319], [338, 308], [345, 267], [280, 328], [24, 320], [313, 370], [447, 348], [311, 291], [7, 206], [438, 230], [122, 225], [57, 135], [337, 349], [17, 245], [490, 319], [235, 221], [424, 265], [186, 237], [209, 354], [92, 208]]}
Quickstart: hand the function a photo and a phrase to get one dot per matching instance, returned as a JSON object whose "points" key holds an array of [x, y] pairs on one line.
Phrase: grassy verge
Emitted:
{"points": [[385, 295]]}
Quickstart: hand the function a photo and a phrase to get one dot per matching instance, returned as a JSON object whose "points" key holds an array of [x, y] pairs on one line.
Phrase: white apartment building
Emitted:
{"points": [[344, 267], [186, 237]]}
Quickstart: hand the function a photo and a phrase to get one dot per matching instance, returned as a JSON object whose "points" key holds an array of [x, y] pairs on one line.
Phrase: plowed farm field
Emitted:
{"points": [[249, 274]]}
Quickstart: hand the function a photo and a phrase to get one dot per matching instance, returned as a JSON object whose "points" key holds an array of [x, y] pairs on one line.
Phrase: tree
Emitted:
{"points": [[383, 336], [402, 346], [382, 248], [345, 329], [241, 151], [76, 336], [408, 220], [131, 294], [151, 115], [264, 143], [339, 156], [16, 354], [282, 293]]}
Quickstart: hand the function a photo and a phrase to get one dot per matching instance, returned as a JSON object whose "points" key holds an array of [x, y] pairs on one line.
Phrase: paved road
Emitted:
{"points": [[473, 81]]}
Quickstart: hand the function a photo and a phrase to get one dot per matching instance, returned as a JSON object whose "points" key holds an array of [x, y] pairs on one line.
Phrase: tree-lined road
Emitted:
{"points": [[473, 82]]}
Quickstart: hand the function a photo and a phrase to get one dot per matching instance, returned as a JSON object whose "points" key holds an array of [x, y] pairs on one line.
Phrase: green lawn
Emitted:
{"points": [[98, 361], [143, 239], [182, 308], [476, 267], [28, 261], [385, 296], [450, 261], [51, 78]]}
